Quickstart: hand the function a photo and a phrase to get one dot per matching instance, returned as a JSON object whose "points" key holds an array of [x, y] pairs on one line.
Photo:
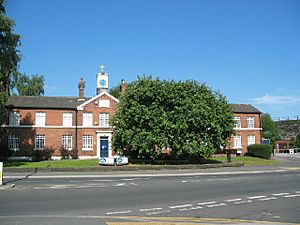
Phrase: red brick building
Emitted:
{"points": [[247, 126], [36, 122]]}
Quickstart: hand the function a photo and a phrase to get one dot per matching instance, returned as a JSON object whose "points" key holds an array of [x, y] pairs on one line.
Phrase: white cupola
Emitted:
{"points": [[102, 80]]}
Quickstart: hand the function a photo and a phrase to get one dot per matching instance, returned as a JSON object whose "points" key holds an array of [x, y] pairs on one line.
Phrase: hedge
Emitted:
{"points": [[260, 150]]}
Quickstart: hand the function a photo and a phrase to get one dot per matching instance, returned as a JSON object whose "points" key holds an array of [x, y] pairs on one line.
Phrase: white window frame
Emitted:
{"points": [[14, 142], [67, 142], [14, 118], [67, 119], [237, 141], [87, 142], [40, 119], [237, 121], [104, 119], [250, 121], [251, 139], [87, 119], [39, 141]]}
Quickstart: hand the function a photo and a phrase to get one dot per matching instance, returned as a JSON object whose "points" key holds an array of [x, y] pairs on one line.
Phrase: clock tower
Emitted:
{"points": [[102, 80]]}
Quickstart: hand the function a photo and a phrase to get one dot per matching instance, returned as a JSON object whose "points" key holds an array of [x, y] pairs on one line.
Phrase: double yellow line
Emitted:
{"points": [[137, 220]]}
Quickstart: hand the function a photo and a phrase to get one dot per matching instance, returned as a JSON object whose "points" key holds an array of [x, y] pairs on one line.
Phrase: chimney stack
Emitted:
{"points": [[123, 86], [81, 86]]}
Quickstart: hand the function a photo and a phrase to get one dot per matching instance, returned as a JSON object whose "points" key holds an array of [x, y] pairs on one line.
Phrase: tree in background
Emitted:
{"points": [[187, 117], [116, 91], [295, 142], [9, 56], [269, 128], [27, 86]]}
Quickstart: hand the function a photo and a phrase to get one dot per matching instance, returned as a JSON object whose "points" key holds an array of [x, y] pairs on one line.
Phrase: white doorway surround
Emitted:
{"points": [[104, 135]]}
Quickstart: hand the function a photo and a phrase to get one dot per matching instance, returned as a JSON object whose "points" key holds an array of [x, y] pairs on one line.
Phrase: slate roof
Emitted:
{"points": [[46, 102], [244, 108]]}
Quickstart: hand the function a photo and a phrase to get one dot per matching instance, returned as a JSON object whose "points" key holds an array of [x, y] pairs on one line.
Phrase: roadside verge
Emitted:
{"points": [[123, 168]]}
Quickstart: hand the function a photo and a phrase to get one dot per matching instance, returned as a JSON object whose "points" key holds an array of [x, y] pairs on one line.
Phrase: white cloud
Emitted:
{"points": [[276, 100], [50, 88]]}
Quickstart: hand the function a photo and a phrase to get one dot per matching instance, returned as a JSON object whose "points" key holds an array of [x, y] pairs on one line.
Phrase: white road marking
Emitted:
{"points": [[180, 206], [103, 180], [297, 192], [145, 175], [184, 181], [243, 202], [233, 200], [256, 197], [60, 186], [120, 212], [159, 212], [216, 205], [119, 185], [267, 199], [291, 196], [206, 203], [280, 194], [152, 209], [192, 208], [129, 179]]}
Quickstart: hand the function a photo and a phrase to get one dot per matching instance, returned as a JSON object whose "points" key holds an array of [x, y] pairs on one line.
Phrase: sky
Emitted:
{"points": [[249, 50]]}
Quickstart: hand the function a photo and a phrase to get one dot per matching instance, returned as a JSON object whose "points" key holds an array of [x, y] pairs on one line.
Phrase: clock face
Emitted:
{"points": [[102, 83]]}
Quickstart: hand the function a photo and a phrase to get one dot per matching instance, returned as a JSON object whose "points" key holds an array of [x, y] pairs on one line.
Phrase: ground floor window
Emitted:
{"points": [[13, 142], [67, 142], [87, 142], [237, 141], [39, 141], [251, 139]]}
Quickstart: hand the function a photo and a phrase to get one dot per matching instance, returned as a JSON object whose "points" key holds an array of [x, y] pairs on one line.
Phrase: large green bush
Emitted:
{"points": [[186, 116], [260, 150]]}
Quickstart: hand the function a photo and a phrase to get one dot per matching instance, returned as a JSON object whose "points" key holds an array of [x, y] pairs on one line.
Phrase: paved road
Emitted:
{"points": [[233, 194]]}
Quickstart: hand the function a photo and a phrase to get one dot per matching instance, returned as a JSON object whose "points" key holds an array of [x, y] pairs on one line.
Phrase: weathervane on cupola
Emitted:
{"points": [[102, 80]]}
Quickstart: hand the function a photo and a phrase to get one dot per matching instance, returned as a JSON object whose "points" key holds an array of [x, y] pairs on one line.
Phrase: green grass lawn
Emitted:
{"points": [[249, 161], [71, 163]]}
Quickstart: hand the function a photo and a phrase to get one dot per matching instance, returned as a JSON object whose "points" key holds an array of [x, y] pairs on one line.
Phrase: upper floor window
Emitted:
{"points": [[87, 119], [67, 119], [14, 118], [39, 141], [104, 120], [251, 139], [237, 121], [13, 142], [40, 119], [250, 122], [237, 141], [67, 142]]}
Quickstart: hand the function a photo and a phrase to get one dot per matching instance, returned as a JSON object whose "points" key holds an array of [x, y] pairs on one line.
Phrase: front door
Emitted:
{"points": [[103, 146]]}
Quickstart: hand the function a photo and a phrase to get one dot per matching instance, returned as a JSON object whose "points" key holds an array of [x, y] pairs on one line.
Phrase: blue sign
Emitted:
{"points": [[102, 160], [266, 141], [120, 160]]}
